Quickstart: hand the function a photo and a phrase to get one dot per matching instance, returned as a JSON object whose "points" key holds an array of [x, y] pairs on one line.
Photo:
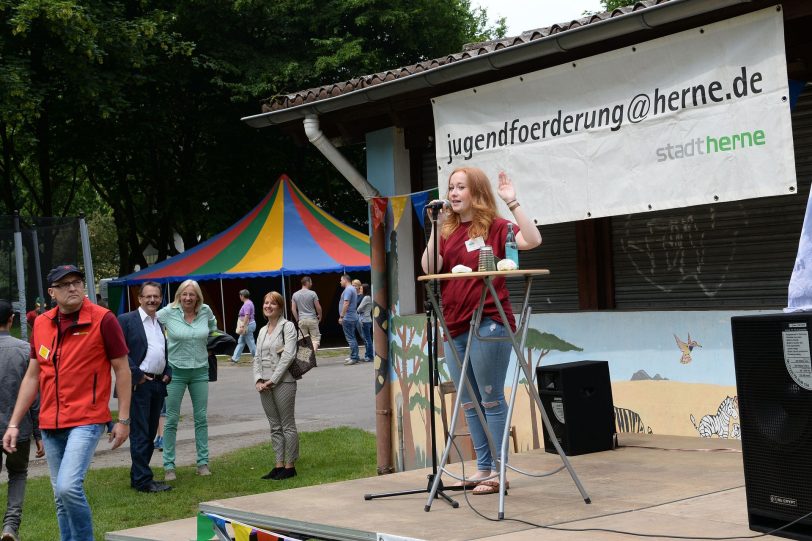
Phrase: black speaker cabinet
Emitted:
{"points": [[774, 383], [578, 400]]}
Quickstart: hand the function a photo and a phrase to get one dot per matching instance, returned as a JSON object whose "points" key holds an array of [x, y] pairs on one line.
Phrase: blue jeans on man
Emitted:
{"points": [[69, 452], [486, 372], [349, 334]]}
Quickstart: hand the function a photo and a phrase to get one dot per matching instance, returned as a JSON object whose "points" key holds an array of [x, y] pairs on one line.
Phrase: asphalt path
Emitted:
{"points": [[330, 395]]}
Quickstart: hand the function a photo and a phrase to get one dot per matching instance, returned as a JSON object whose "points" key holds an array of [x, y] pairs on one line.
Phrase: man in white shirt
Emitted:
{"points": [[150, 374]]}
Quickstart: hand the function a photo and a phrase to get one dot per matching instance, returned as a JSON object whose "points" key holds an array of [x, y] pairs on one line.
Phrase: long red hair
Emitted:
{"points": [[483, 204]]}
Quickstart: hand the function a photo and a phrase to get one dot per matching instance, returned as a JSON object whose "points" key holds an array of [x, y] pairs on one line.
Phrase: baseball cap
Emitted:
{"points": [[57, 273]]}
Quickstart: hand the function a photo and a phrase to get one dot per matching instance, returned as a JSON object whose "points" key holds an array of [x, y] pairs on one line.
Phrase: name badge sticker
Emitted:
{"points": [[44, 352], [474, 244]]}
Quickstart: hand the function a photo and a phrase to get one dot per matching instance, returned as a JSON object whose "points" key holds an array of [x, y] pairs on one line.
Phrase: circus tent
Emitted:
{"points": [[286, 233]]}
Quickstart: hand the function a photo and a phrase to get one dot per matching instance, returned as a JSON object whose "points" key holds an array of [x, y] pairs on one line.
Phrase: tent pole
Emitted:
{"points": [[223, 304], [284, 294]]}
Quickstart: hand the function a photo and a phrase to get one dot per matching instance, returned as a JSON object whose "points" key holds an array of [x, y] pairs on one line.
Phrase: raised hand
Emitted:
{"points": [[505, 189]]}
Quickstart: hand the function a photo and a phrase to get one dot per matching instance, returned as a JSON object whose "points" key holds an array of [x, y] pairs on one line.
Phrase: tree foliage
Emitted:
{"points": [[137, 103]]}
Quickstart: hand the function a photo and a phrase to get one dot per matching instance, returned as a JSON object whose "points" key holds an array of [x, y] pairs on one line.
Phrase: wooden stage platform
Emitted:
{"points": [[658, 485]]}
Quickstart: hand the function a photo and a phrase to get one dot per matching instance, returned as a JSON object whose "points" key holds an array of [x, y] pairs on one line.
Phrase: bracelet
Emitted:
{"points": [[514, 206], [13, 426], [509, 202]]}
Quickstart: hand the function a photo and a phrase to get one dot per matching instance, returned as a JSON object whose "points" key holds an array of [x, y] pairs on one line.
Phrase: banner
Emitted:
{"points": [[697, 117]]}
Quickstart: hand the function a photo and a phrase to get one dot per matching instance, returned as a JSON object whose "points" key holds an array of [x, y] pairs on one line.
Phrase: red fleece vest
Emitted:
{"points": [[74, 378]]}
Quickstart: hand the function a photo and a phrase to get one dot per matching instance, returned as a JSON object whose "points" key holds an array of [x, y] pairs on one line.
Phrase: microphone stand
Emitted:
{"points": [[434, 378]]}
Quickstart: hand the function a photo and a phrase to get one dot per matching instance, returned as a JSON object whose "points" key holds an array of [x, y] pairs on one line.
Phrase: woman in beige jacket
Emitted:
{"points": [[276, 347]]}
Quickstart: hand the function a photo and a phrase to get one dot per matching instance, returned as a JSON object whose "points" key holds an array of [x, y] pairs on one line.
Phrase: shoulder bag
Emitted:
{"points": [[305, 356]]}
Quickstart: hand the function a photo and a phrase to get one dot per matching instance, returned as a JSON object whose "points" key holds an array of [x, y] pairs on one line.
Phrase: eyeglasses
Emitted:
{"points": [[67, 285]]}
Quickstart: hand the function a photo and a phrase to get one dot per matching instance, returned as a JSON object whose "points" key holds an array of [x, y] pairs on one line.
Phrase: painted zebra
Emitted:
{"points": [[627, 420], [718, 424]]}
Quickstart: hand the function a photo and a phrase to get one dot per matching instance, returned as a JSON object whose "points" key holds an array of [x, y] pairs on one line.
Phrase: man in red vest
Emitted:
{"points": [[73, 347]]}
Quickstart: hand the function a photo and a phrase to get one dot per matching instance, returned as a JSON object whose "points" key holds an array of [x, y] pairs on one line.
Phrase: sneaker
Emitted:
{"points": [[203, 470], [159, 443], [9, 534], [169, 475], [348, 362]]}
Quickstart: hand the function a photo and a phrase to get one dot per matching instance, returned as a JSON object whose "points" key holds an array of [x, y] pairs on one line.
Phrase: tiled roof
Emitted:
{"points": [[469, 51]]}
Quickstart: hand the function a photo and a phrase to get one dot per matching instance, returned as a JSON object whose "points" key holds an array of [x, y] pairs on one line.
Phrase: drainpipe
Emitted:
{"points": [[317, 137], [377, 256]]}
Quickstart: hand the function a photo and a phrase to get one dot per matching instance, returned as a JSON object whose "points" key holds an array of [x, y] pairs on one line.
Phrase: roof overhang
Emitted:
{"points": [[616, 27]]}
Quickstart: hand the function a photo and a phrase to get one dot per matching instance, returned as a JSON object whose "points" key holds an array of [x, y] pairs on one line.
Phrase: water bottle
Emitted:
{"points": [[511, 248]]}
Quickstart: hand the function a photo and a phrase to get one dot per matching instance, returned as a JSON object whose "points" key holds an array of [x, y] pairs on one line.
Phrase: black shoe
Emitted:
{"points": [[154, 486], [286, 473], [273, 473]]}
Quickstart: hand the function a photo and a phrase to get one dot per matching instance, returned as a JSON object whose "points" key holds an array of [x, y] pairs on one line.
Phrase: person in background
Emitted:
{"points": [[246, 316], [150, 374], [14, 356], [348, 316], [276, 386], [306, 310], [159, 435], [84, 341], [39, 307], [187, 323], [365, 321], [470, 223]]}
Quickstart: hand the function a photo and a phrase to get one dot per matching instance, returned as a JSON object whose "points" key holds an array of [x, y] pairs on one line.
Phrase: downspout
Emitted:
{"points": [[320, 141], [377, 256]]}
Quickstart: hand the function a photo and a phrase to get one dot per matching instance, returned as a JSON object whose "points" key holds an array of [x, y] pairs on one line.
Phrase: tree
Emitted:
{"points": [[140, 102]]}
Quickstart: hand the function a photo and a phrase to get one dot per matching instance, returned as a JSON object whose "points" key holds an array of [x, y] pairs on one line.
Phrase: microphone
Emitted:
{"points": [[440, 203]]}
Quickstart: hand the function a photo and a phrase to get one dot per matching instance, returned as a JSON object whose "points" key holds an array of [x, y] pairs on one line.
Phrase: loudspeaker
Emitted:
{"points": [[774, 384], [578, 400]]}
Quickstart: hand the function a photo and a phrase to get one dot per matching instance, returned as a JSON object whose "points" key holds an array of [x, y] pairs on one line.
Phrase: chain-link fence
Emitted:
{"points": [[45, 243]]}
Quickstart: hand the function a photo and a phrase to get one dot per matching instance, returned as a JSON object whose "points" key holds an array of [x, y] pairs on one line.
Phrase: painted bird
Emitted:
{"points": [[686, 348]]}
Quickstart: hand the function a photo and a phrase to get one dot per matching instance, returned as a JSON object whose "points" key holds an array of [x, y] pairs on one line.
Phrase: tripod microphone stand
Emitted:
{"points": [[432, 344]]}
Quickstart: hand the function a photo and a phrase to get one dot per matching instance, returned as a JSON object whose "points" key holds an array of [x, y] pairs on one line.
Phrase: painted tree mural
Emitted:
{"points": [[406, 351], [543, 343]]}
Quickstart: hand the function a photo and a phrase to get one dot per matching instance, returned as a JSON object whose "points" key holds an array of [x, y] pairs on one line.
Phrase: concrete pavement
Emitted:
{"points": [[330, 395]]}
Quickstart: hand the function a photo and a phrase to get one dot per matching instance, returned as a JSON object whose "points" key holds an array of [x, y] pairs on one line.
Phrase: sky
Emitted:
{"points": [[529, 14]]}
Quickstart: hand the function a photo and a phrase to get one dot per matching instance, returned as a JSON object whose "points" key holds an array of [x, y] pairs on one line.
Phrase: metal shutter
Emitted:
{"points": [[557, 292], [730, 255]]}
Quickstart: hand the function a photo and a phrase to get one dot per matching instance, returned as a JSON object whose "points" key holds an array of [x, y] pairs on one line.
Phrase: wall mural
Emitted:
{"points": [[721, 424], [653, 394]]}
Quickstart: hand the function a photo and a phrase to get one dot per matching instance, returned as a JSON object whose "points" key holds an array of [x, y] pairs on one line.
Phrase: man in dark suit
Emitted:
{"points": [[150, 374]]}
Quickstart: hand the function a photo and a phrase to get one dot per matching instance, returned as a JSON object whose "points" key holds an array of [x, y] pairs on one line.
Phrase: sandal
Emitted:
{"points": [[489, 487], [470, 483]]}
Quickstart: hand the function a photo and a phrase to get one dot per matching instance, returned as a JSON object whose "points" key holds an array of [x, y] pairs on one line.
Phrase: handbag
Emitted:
{"points": [[305, 356], [241, 326]]}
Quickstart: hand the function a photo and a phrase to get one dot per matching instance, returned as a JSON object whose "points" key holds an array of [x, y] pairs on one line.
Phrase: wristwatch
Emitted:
{"points": [[125, 422]]}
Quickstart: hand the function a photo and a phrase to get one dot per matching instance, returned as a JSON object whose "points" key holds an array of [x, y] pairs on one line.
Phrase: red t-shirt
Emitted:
{"points": [[114, 344], [460, 297]]}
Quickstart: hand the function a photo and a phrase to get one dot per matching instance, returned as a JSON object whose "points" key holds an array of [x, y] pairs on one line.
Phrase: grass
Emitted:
{"points": [[327, 456]]}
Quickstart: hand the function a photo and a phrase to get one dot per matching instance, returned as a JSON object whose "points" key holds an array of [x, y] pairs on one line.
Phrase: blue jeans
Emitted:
{"points": [[349, 334], [366, 332], [69, 452], [487, 370], [246, 339]]}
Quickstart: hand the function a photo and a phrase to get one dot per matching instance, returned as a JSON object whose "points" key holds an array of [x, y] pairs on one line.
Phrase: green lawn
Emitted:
{"points": [[326, 456]]}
